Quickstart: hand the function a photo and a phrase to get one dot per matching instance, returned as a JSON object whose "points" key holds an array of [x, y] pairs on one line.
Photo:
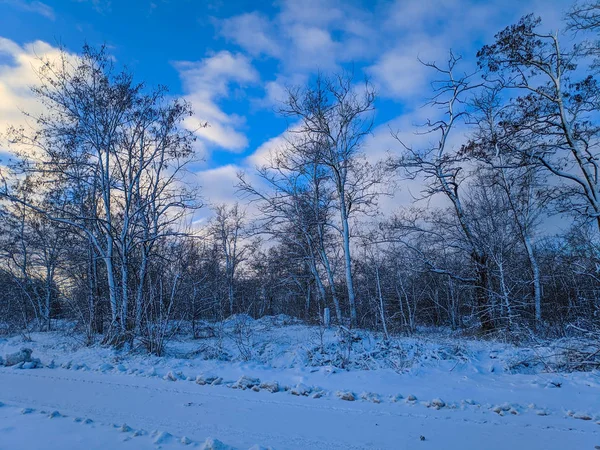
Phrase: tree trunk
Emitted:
{"points": [[380, 295], [537, 285], [348, 264], [482, 294], [330, 279]]}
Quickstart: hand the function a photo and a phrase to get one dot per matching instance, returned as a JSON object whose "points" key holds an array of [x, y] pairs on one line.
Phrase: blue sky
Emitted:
{"points": [[233, 59]]}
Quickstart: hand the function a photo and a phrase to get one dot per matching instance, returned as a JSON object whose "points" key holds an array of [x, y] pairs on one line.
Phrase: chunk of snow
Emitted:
{"points": [[371, 397], [205, 379], [582, 416], [437, 403], [318, 394], [170, 377], [301, 389], [163, 438], [345, 395], [500, 409], [215, 444], [270, 386], [246, 382]]}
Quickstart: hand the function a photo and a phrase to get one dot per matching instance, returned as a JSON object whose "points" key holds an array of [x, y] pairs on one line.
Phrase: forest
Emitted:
{"points": [[98, 204]]}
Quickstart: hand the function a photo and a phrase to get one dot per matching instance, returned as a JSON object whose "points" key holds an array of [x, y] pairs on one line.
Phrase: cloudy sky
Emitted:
{"points": [[233, 59]]}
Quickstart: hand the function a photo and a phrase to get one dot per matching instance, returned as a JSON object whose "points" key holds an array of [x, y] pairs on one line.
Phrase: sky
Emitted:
{"points": [[233, 59]]}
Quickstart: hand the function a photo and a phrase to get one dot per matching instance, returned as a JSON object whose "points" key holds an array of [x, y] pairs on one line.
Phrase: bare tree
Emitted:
{"points": [[228, 229], [441, 170], [334, 117], [296, 206], [101, 138]]}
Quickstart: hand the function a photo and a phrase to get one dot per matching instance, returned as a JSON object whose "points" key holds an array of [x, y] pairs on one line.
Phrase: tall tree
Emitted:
{"points": [[228, 229], [441, 167], [335, 116], [296, 205], [103, 139]]}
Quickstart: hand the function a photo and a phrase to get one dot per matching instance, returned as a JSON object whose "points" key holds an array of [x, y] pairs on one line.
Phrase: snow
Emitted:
{"points": [[455, 393], [300, 389]]}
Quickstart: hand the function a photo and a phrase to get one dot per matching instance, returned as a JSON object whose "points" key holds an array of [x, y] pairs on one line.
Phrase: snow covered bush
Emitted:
{"points": [[22, 356]]}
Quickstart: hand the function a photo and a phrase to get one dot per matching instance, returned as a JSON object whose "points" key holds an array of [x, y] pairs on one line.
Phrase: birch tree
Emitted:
{"points": [[296, 205], [335, 116]]}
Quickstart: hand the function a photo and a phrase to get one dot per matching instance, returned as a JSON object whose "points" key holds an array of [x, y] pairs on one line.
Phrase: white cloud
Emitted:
{"points": [[322, 34], [215, 73], [312, 48], [275, 91], [205, 83], [304, 37], [218, 185], [320, 13], [17, 76], [428, 29], [262, 155], [400, 75], [31, 6], [251, 31]]}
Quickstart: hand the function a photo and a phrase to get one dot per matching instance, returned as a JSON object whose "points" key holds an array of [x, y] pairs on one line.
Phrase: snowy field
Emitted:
{"points": [[273, 383]]}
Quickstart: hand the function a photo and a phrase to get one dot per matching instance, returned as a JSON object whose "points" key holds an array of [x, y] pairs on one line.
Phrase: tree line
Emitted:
{"points": [[97, 209]]}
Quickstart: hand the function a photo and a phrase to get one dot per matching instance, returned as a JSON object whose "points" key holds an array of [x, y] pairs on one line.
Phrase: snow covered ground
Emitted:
{"points": [[294, 387]]}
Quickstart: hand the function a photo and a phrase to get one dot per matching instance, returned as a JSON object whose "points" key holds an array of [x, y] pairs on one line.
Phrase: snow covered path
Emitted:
{"points": [[245, 418]]}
